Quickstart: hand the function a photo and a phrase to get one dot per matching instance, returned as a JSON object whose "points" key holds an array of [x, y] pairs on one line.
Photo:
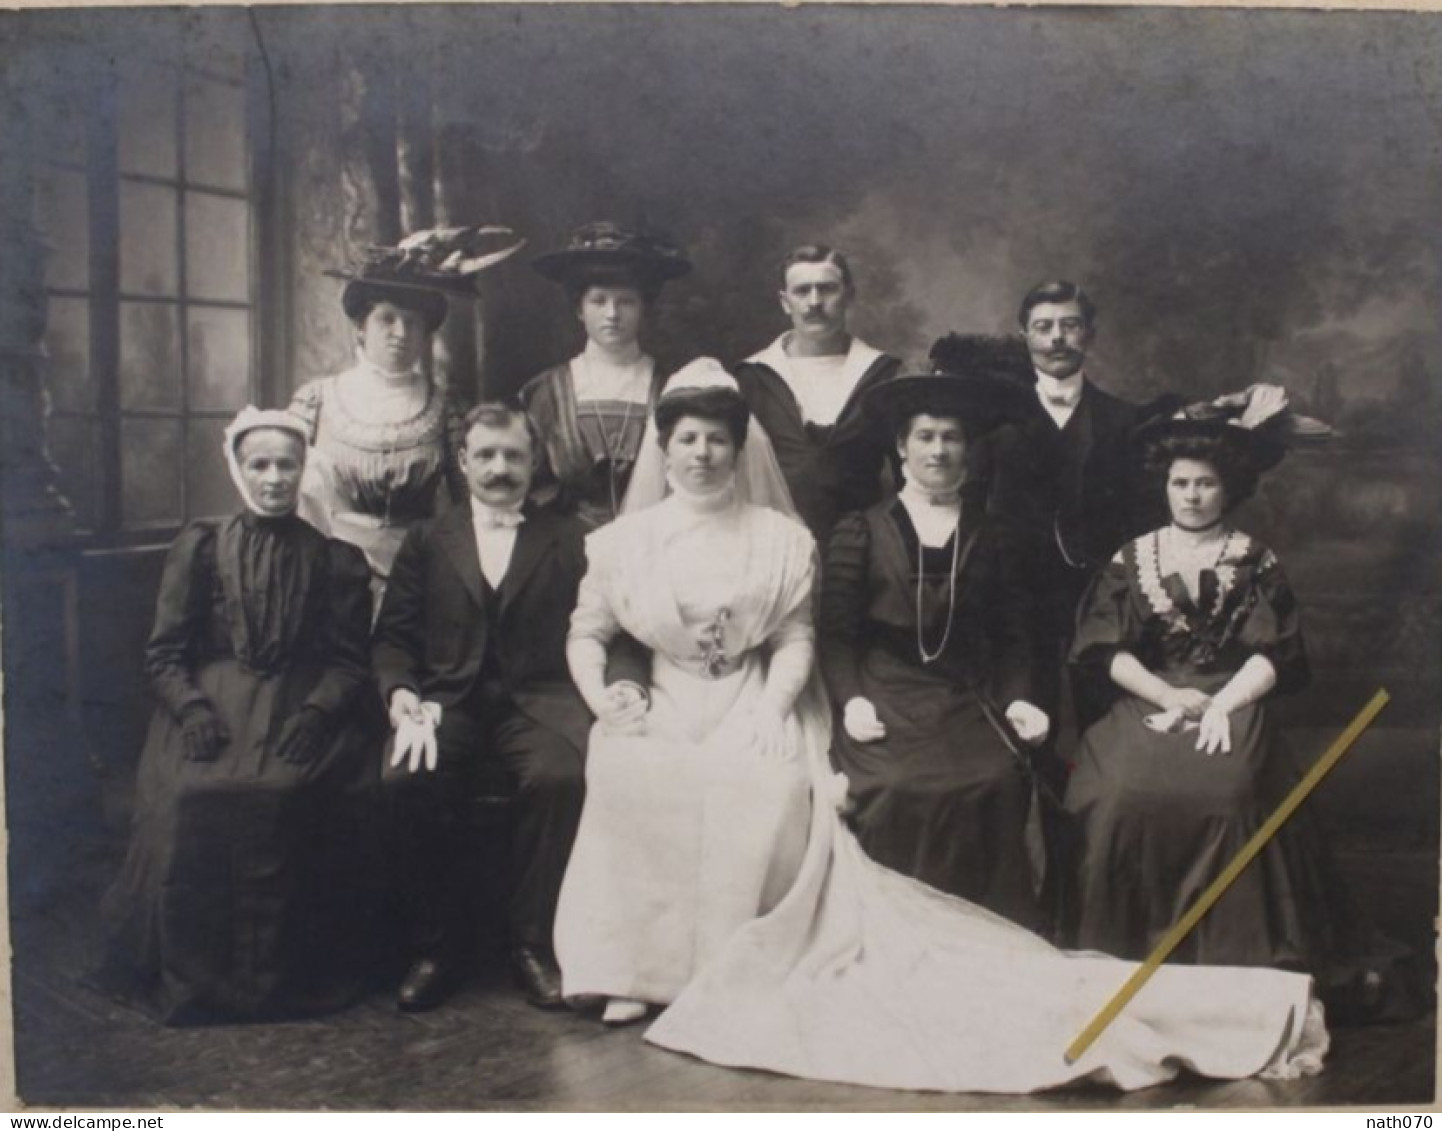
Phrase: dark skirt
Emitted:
{"points": [[1156, 821], [249, 886], [940, 798]]}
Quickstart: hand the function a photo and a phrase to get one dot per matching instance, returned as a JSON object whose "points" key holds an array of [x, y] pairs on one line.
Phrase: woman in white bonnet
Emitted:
{"points": [[243, 869]]}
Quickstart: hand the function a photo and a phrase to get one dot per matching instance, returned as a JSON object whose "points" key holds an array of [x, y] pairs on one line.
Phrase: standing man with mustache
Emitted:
{"points": [[806, 390], [1067, 474], [470, 654], [1066, 477]]}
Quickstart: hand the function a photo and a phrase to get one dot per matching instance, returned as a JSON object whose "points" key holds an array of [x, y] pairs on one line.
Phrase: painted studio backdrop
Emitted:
{"points": [[1248, 197]]}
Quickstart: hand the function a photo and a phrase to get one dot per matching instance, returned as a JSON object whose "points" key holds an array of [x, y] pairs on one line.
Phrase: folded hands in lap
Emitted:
{"points": [[1186, 708], [623, 709]]}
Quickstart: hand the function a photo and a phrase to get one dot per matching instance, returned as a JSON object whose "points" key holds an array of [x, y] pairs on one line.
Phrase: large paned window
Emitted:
{"points": [[147, 199]]}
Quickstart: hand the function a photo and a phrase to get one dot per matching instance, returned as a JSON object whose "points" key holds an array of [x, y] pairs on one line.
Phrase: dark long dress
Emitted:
{"points": [[244, 877], [941, 797], [1158, 820]]}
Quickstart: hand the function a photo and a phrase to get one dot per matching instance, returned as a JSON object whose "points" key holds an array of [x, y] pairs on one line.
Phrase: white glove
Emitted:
{"points": [[624, 708], [1030, 723], [758, 733], [1169, 722], [770, 732], [415, 726], [861, 722], [1214, 733]]}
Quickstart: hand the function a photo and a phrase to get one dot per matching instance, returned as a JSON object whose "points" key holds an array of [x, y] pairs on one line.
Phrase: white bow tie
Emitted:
{"points": [[488, 519]]}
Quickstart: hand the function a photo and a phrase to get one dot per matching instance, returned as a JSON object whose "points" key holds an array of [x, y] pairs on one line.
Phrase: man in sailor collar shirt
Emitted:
{"points": [[473, 630], [806, 390]]}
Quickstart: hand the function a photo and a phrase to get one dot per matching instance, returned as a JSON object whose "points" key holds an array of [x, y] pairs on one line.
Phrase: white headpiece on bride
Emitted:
{"points": [[758, 475]]}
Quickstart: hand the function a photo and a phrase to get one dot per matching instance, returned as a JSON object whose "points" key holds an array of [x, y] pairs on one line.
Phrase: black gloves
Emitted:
{"points": [[302, 736], [203, 732]]}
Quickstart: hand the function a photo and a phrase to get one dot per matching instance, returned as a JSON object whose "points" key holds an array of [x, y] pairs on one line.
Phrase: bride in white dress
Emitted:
{"points": [[712, 873]]}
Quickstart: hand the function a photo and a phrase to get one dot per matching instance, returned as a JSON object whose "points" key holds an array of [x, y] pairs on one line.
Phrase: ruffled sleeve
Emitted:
{"points": [[1273, 625], [347, 629], [843, 607], [306, 404], [1107, 620], [181, 610]]}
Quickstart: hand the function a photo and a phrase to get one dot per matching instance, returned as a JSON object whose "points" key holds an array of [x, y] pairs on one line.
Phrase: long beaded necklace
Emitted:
{"points": [[927, 656], [613, 455]]}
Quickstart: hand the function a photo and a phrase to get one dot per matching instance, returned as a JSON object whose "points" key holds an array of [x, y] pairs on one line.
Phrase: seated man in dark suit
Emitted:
{"points": [[470, 654]]}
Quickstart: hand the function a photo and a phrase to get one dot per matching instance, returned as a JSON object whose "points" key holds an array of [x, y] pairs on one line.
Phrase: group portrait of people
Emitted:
{"points": [[861, 721]]}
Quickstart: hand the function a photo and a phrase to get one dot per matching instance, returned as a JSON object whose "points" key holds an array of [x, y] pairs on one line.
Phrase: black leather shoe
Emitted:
{"points": [[538, 975], [426, 985]]}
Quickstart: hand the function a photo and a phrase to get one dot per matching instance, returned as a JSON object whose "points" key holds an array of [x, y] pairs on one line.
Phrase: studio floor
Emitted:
{"points": [[487, 1049]]}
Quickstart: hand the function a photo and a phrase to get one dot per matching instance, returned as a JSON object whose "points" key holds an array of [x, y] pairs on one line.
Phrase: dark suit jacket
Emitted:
{"points": [[1030, 482], [829, 470], [433, 628]]}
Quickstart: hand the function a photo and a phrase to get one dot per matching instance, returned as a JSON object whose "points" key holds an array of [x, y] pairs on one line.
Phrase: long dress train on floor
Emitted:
{"points": [[852, 973], [864, 976]]}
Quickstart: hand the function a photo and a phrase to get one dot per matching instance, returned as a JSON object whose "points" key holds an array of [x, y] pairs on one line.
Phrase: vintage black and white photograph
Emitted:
{"points": [[721, 556]]}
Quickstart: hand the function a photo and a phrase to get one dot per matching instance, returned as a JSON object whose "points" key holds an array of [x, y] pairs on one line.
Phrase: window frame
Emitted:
{"points": [[103, 419]]}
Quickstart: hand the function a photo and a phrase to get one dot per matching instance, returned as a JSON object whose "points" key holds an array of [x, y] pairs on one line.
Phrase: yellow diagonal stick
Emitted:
{"points": [[1249, 851]]}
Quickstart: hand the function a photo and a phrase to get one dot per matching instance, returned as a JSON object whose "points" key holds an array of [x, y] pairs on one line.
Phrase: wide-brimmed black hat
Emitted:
{"points": [[974, 377], [425, 267], [604, 247], [1256, 423], [982, 401]]}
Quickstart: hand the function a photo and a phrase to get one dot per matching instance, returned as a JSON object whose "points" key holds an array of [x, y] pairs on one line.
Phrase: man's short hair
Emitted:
{"points": [[500, 414], [817, 253], [1057, 291]]}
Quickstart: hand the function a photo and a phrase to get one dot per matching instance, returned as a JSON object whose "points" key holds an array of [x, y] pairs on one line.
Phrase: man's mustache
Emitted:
{"points": [[500, 481]]}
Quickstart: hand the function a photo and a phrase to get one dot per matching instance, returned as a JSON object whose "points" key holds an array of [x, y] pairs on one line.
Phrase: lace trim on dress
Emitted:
{"points": [[388, 437], [1149, 577]]}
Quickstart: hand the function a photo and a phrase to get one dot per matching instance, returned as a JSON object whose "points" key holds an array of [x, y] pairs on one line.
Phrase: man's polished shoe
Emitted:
{"points": [[426, 985], [538, 975]]}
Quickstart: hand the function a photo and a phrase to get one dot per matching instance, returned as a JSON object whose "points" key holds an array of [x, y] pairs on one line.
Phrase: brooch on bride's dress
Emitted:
{"points": [[714, 660]]}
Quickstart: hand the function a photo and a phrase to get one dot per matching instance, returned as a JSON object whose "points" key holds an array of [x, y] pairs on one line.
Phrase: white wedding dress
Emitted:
{"points": [[727, 885]]}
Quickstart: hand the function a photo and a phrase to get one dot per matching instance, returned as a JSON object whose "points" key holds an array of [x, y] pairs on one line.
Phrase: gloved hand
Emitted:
{"points": [[1029, 721], [415, 744], [625, 708], [1214, 735], [768, 734], [302, 735], [203, 732], [861, 722]]}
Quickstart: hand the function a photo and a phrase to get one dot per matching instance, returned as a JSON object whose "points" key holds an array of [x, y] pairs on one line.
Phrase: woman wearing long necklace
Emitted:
{"points": [[1197, 629], [925, 649], [593, 409]]}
